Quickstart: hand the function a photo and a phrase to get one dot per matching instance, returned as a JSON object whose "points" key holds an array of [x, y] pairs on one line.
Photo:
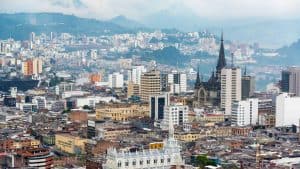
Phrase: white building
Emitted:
{"points": [[287, 110], [230, 87], [93, 100], [177, 82], [245, 112], [177, 114], [163, 158], [134, 75], [115, 80]]}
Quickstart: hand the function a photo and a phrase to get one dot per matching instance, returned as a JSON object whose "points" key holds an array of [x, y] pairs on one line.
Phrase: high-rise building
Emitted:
{"points": [[115, 80], [150, 84], [287, 110], [285, 81], [133, 89], [248, 86], [177, 82], [291, 80], [134, 75], [176, 114], [230, 87], [32, 67], [157, 105], [245, 112]]}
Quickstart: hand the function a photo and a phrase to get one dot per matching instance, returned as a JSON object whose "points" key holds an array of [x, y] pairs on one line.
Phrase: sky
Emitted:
{"points": [[138, 9]]}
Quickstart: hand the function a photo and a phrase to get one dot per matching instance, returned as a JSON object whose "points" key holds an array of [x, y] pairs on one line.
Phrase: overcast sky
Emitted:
{"points": [[137, 9]]}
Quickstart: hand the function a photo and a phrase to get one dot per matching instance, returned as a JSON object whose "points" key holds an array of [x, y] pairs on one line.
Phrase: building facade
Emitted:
{"points": [[163, 158], [115, 80], [150, 85], [245, 112], [157, 104], [230, 87], [287, 110]]}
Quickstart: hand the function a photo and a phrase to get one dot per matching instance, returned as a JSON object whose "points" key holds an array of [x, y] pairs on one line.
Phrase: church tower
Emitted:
{"points": [[221, 60]]}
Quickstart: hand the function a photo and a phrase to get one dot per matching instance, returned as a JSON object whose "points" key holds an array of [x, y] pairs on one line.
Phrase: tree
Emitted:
{"points": [[202, 161]]}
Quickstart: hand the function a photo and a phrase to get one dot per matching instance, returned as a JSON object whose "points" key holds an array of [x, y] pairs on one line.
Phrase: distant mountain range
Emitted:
{"points": [[20, 25], [269, 33]]}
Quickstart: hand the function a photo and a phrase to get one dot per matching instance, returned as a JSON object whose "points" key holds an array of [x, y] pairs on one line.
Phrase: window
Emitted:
{"points": [[141, 162], [169, 160], [119, 164], [162, 160], [155, 161], [148, 161], [133, 162], [126, 163]]}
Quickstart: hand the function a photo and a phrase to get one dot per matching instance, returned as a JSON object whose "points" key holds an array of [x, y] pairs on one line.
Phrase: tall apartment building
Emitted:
{"points": [[248, 86], [134, 75], [115, 80], [32, 67], [157, 105], [177, 82], [150, 85], [290, 81], [287, 110], [245, 112], [230, 87], [285, 81]]}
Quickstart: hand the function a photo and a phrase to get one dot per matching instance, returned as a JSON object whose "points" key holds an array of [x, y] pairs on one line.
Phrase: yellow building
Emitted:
{"points": [[188, 137], [156, 145], [121, 112], [113, 133], [70, 144], [133, 90], [214, 118]]}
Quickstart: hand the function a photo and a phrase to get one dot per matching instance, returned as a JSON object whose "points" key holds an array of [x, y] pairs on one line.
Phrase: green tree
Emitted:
{"points": [[202, 161]]}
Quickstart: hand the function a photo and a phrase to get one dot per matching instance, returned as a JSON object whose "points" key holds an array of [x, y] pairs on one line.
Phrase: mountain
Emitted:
{"points": [[126, 23], [269, 33], [291, 52], [19, 25]]}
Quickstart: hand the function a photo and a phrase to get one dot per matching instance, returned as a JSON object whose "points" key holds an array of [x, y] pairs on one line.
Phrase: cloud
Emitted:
{"points": [[137, 9]]}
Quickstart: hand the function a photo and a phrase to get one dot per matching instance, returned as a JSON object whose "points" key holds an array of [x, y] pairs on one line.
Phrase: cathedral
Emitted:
{"points": [[208, 93]]}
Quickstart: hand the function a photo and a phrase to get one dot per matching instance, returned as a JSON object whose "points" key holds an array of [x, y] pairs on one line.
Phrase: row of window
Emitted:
{"points": [[134, 163]]}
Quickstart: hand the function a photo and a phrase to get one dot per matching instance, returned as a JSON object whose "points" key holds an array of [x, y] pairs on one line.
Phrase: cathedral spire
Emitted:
{"points": [[198, 79], [221, 60]]}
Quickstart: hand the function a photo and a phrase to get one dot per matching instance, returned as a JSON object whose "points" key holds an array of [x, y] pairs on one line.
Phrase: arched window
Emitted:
{"points": [[119, 164]]}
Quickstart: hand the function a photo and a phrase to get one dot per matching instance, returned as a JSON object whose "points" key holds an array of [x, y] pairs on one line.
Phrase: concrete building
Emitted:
{"points": [[230, 87], [248, 86], [32, 67], [287, 110], [150, 85], [177, 82], [121, 112], [115, 80], [177, 114], [134, 75], [157, 104], [294, 80], [245, 112], [133, 90], [70, 144]]}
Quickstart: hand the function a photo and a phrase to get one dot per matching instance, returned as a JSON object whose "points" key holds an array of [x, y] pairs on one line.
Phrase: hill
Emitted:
{"points": [[19, 25]]}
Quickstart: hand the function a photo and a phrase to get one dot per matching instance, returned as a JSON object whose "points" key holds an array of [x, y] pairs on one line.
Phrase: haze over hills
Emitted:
{"points": [[18, 26]]}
